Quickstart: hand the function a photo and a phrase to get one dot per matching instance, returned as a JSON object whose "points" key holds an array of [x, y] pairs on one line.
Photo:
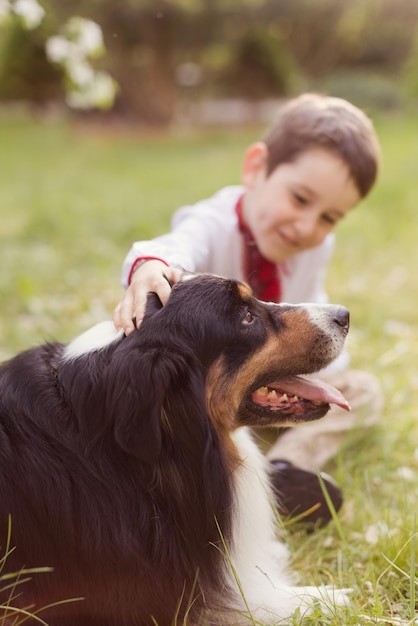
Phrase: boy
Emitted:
{"points": [[275, 232]]}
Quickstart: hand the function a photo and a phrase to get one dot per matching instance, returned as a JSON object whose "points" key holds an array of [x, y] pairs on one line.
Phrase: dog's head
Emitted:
{"points": [[257, 353], [217, 351]]}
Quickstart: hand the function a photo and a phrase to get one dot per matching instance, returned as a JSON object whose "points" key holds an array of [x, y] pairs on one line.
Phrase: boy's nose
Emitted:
{"points": [[306, 226]]}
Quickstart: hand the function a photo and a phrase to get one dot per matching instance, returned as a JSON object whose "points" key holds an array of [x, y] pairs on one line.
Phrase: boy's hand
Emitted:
{"points": [[153, 276]]}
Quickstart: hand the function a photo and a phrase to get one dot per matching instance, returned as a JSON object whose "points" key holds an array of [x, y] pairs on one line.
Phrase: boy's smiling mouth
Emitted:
{"points": [[288, 241]]}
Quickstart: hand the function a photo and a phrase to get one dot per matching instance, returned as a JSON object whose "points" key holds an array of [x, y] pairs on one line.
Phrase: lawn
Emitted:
{"points": [[72, 199]]}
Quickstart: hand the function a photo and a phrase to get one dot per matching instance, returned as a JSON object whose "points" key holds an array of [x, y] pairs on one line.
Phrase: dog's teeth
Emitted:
{"points": [[263, 391], [272, 394], [294, 399], [284, 398]]}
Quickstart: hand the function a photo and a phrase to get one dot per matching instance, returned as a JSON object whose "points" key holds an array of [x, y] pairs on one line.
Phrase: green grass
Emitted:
{"points": [[72, 201]]}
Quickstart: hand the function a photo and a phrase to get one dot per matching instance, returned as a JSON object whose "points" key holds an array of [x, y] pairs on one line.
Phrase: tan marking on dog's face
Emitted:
{"points": [[301, 345], [219, 403]]}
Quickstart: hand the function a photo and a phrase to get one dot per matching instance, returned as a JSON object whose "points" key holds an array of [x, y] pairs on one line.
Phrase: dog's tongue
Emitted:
{"points": [[312, 389]]}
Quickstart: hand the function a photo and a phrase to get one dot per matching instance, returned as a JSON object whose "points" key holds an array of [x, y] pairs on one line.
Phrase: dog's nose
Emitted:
{"points": [[341, 316]]}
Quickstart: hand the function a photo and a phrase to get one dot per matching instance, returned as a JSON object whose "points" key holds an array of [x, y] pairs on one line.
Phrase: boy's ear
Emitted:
{"points": [[255, 162]]}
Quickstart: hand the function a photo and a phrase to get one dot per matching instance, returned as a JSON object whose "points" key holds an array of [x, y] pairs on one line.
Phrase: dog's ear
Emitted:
{"points": [[137, 425], [138, 387], [135, 394], [153, 306], [133, 405]]}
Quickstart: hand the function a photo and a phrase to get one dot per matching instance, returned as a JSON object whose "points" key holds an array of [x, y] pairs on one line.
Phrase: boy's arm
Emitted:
{"points": [[153, 266], [167, 249], [150, 266], [200, 237]]}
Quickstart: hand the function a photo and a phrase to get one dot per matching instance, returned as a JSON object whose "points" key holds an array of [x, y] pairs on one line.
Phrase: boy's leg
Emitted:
{"points": [[310, 446]]}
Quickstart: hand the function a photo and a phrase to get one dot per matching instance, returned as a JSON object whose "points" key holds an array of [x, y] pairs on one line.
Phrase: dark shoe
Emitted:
{"points": [[300, 496]]}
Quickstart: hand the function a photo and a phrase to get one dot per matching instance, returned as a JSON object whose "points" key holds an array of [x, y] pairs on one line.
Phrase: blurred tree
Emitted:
{"points": [[78, 43], [251, 48], [261, 65], [28, 52], [25, 73], [143, 47], [247, 48], [232, 57]]}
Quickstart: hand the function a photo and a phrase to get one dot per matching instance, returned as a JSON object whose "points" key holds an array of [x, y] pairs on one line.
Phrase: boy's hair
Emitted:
{"points": [[316, 121]]}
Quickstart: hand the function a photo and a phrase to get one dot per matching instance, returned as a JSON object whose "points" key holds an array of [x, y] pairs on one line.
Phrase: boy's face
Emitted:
{"points": [[295, 207]]}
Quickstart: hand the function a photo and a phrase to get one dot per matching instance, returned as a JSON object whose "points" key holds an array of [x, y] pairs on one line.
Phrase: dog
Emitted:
{"points": [[128, 468]]}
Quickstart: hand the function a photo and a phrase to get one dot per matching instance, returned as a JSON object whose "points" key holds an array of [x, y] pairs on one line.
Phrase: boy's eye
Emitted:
{"points": [[299, 198], [329, 219]]}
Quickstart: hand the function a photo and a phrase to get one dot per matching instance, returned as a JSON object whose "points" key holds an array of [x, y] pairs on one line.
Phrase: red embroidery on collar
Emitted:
{"points": [[262, 275]]}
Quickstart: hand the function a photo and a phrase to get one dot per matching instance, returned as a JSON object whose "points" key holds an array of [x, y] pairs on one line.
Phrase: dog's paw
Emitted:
{"points": [[327, 597], [339, 597], [269, 606]]}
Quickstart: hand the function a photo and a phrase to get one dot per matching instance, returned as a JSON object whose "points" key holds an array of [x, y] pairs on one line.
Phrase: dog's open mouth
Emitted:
{"points": [[295, 394]]}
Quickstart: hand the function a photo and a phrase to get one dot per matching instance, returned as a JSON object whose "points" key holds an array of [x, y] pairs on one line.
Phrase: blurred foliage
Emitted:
{"points": [[367, 89], [261, 66], [252, 49], [410, 75], [25, 73]]}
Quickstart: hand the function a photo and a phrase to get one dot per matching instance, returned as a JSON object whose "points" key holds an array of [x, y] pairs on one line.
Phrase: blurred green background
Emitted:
{"points": [[198, 82]]}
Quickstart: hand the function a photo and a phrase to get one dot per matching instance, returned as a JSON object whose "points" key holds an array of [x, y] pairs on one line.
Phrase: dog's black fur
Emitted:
{"points": [[116, 462]]}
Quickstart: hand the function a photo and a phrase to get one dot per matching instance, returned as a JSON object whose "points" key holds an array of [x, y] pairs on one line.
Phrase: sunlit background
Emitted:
{"points": [[204, 61], [114, 114]]}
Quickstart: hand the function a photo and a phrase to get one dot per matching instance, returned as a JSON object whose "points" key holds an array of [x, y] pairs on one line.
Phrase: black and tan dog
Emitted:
{"points": [[126, 463]]}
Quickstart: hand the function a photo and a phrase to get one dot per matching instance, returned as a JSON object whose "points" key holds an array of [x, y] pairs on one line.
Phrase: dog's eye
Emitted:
{"points": [[248, 317]]}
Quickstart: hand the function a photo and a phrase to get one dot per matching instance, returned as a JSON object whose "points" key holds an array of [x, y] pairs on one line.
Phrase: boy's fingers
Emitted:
{"points": [[123, 314], [163, 290], [159, 285], [172, 275], [133, 304], [116, 318]]}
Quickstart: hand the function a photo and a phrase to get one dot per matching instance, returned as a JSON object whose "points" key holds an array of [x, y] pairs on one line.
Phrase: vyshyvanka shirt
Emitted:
{"points": [[205, 237]]}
